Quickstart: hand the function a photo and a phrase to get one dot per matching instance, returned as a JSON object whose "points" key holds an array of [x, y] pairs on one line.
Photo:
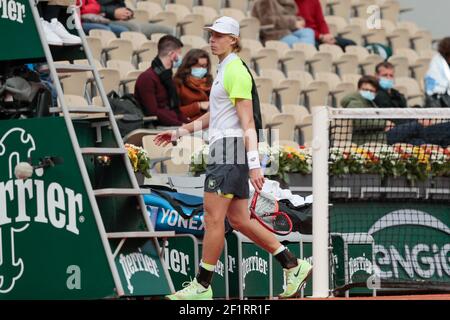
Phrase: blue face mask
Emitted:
{"points": [[199, 72], [386, 84], [178, 63], [368, 95]]}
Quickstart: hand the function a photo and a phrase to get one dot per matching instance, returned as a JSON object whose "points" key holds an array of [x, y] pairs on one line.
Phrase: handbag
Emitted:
{"points": [[170, 210], [437, 101], [128, 106]]}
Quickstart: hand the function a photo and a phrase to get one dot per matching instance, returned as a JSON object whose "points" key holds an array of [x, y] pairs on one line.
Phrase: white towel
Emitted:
{"points": [[273, 188], [437, 79]]}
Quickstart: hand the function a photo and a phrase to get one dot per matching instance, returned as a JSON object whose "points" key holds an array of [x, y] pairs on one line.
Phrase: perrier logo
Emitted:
{"points": [[12, 10], [25, 202]]}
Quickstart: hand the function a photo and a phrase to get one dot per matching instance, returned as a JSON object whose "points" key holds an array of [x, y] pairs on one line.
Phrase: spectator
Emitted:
{"points": [[287, 27], [93, 18], [387, 96], [437, 79], [366, 130], [193, 81], [155, 88], [386, 131], [117, 11], [311, 11], [55, 32]]}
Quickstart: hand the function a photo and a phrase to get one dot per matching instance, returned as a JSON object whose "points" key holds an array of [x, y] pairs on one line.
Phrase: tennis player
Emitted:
{"points": [[233, 159]]}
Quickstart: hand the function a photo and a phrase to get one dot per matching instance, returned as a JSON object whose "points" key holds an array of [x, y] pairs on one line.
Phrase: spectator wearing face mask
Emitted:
{"points": [[155, 89], [366, 130], [387, 96], [386, 131], [193, 81]]}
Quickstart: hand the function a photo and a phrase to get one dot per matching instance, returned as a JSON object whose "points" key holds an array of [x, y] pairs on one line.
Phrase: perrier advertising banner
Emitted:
{"points": [[50, 245], [18, 33]]}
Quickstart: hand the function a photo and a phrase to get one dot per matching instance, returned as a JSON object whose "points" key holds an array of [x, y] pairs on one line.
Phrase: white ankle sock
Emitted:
{"points": [[206, 266], [279, 250]]}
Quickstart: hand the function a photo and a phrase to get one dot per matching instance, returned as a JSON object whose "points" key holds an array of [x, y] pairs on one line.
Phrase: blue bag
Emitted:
{"points": [[173, 211]]}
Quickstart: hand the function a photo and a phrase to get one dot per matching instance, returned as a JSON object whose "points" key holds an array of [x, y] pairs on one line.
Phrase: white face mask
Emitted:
{"points": [[177, 64], [368, 95], [199, 72]]}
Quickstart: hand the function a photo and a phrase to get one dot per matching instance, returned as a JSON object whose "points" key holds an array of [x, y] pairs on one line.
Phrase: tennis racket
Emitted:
{"points": [[264, 209]]}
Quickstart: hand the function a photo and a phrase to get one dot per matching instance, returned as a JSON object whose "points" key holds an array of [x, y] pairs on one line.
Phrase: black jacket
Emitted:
{"points": [[394, 99], [109, 6]]}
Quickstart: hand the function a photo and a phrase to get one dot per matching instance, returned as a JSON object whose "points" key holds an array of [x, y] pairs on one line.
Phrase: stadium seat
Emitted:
{"points": [[264, 87], [339, 8], [154, 151], [314, 93], [242, 5], [150, 7], [290, 59], [401, 65], [415, 95], [144, 65], [316, 61], [187, 3], [366, 61], [141, 15], [209, 14], [120, 49], [110, 79], [216, 4], [156, 36], [95, 44], [180, 159], [196, 42], [339, 27], [342, 62], [287, 92], [353, 78], [300, 113]]}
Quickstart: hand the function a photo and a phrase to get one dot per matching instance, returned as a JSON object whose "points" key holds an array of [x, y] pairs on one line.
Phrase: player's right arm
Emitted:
{"points": [[166, 137]]}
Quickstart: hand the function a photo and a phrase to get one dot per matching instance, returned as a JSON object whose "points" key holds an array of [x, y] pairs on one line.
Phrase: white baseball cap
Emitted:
{"points": [[225, 25]]}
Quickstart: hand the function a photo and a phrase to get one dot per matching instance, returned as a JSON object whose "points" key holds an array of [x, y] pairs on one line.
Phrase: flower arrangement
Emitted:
{"points": [[412, 162], [280, 160], [139, 159], [294, 160], [401, 160], [199, 160]]}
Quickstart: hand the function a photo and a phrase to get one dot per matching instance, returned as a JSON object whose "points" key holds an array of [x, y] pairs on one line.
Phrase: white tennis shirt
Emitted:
{"points": [[233, 81]]}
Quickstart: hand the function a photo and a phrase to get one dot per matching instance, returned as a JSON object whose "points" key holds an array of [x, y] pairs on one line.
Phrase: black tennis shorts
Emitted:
{"points": [[227, 170]]}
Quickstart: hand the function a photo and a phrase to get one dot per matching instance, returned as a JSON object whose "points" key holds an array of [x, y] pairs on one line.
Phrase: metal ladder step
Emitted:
{"points": [[103, 151], [120, 192], [87, 109], [64, 68], [140, 234]]}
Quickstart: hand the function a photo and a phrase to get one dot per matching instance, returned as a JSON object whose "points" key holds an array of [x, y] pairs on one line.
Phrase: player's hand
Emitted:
{"points": [[257, 179], [165, 137]]}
